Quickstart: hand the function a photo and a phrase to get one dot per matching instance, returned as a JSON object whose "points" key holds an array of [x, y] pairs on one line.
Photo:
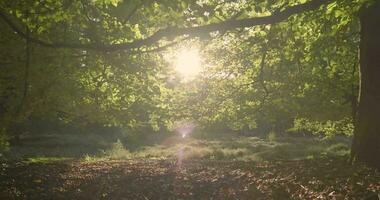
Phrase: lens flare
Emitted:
{"points": [[184, 129], [188, 63]]}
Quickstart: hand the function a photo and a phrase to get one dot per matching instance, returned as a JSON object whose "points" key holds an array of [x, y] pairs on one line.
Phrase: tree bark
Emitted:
{"points": [[366, 144]]}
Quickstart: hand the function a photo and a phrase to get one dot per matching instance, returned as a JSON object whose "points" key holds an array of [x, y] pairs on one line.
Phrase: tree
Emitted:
{"points": [[98, 33], [366, 144], [73, 86], [278, 16]]}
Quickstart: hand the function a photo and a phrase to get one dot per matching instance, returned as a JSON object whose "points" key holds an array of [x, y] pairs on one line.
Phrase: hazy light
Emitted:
{"points": [[188, 62]]}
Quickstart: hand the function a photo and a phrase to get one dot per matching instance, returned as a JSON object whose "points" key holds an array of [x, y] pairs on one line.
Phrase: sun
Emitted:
{"points": [[188, 62]]}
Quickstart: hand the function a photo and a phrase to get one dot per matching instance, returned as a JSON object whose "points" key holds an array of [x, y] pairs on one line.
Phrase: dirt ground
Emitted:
{"points": [[327, 178]]}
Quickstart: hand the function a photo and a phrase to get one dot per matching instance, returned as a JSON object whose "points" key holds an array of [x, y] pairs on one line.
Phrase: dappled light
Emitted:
{"points": [[182, 99]]}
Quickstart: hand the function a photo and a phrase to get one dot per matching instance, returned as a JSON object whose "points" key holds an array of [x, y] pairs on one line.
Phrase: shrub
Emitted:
{"points": [[117, 151], [271, 136]]}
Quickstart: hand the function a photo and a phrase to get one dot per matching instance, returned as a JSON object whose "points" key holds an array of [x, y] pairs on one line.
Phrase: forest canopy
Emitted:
{"points": [[145, 66]]}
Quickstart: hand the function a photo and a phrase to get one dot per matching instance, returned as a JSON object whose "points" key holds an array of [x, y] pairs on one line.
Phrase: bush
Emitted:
{"points": [[117, 151], [271, 136], [4, 144], [327, 128]]}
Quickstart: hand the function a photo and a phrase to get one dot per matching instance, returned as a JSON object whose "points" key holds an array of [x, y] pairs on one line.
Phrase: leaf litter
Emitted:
{"points": [[191, 179]]}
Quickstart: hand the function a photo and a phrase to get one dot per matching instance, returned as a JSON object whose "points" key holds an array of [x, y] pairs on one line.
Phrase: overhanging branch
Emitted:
{"points": [[173, 32]]}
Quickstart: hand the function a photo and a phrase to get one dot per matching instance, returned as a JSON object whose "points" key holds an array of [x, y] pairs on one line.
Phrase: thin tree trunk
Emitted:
{"points": [[366, 144], [26, 76]]}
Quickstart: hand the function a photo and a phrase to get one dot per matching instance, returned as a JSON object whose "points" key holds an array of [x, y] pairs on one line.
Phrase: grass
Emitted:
{"points": [[202, 146], [231, 147], [203, 166], [46, 160]]}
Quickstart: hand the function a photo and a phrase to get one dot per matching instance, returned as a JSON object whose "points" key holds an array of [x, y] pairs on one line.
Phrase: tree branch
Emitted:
{"points": [[173, 32]]}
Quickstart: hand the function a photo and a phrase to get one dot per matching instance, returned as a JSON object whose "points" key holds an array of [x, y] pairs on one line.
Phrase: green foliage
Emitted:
{"points": [[309, 70], [4, 144], [299, 75], [117, 151], [272, 136], [327, 128]]}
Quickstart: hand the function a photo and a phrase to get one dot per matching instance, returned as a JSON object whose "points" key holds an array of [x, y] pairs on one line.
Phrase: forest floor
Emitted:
{"points": [[233, 168]]}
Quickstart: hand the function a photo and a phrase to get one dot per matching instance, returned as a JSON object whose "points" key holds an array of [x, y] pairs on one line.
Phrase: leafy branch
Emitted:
{"points": [[171, 32]]}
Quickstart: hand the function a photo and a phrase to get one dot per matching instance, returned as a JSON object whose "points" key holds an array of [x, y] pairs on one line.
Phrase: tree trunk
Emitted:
{"points": [[366, 144]]}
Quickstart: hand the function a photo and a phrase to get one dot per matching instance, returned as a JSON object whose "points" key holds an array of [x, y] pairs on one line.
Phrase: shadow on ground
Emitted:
{"points": [[191, 179]]}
